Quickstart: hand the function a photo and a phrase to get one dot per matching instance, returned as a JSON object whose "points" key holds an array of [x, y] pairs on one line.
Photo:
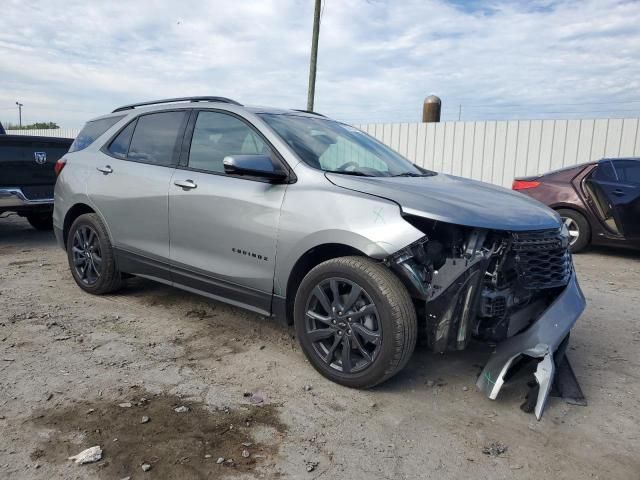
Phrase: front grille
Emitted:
{"points": [[542, 258], [494, 306]]}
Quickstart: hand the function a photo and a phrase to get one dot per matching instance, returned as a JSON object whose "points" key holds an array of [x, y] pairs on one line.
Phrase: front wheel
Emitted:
{"points": [[355, 321]]}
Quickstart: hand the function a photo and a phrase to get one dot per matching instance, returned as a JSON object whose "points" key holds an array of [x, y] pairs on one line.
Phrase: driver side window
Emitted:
{"points": [[217, 135]]}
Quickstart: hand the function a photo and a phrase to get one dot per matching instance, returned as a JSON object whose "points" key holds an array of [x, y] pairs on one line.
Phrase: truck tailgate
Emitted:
{"points": [[27, 162]]}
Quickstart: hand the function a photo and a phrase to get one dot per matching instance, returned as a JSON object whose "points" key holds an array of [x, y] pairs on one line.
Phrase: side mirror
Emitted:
{"points": [[254, 166]]}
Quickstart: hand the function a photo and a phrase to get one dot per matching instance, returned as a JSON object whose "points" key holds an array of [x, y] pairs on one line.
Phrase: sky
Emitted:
{"points": [[69, 61]]}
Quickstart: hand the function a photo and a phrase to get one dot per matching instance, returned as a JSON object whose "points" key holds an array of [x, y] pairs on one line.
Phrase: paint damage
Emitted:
{"points": [[514, 290]]}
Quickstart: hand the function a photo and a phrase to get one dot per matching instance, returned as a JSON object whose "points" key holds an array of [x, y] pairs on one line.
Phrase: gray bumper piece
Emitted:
{"points": [[540, 340], [13, 197]]}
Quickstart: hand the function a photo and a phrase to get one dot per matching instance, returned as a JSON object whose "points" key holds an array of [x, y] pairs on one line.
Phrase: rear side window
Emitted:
{"points": [[120, 145], [93, 130], [604, 172], [155, 138], [628, 171]]}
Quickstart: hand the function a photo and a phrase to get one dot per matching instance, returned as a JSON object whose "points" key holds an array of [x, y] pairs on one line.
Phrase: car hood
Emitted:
{"points": [[456, 200]]}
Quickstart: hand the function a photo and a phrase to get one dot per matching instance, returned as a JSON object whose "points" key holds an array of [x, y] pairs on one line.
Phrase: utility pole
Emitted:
{"points": [[459, 112], [314, 56], [19, 113]]}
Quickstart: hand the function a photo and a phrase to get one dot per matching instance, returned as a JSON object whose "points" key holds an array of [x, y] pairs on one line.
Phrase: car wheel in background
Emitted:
{"points": [[91, 256], [41, 221], [355, 321], [579, 229]]}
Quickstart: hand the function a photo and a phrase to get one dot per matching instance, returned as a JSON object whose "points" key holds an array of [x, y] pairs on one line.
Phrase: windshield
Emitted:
{"points": [[335, 147]]}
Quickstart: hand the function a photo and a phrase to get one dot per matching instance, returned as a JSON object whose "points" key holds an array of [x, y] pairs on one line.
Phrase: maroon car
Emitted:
{"points": [[598, 201]]}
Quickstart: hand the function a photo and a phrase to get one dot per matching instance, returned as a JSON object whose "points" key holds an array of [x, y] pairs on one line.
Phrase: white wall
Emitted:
{"points": [[59, 132], [498, 151]]}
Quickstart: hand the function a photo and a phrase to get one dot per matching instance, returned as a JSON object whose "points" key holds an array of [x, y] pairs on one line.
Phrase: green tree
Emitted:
{"points": [[33, 126]]}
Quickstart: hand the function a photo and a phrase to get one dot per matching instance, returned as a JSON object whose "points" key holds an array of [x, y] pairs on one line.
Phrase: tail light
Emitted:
{"points": [[59, 166], [524, 184]]}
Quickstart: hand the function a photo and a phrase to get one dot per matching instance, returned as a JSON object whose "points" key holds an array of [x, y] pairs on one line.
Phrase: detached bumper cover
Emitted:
{"points": [[540, 340]]}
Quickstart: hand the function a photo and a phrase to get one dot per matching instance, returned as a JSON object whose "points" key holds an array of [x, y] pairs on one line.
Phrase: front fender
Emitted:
{"points": [[369, 224]]}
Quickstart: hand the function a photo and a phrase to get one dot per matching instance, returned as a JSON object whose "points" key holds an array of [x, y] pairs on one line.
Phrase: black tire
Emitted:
{"points": [[577, 223], [41, 221], [108, 279], [395, 319]]}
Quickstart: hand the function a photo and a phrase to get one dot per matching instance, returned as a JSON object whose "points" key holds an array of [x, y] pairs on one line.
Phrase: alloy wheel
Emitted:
{"points": [[87, 257], [573, 228], [343, 325]]}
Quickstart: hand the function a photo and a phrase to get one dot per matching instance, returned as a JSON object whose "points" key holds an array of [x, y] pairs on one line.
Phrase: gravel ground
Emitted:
{"points": [[78, 371]]}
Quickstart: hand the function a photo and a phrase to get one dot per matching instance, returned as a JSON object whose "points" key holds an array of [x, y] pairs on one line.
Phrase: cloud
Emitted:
{"points": [[68, 61]]}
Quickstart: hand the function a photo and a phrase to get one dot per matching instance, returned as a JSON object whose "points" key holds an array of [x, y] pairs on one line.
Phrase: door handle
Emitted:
{"points": [[186, 184], [106, 169], [618, 192]]}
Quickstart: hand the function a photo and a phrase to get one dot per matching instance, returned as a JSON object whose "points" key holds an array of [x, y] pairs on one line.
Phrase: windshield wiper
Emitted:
{"points": [[349, 172], [412, 174]]}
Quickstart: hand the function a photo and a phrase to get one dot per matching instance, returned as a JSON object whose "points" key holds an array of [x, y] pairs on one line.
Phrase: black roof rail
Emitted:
{"points": [[174, 100], [309, 111]]}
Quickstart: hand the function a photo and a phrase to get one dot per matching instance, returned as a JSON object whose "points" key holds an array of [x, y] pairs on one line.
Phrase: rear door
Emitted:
{"points": [[129, 186], [596, 184], [625, 196], [224, 227], [614, 188]]}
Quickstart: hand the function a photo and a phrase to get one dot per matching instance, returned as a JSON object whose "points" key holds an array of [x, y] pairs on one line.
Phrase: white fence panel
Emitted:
{"points": [[58, 132], [498, 151]]}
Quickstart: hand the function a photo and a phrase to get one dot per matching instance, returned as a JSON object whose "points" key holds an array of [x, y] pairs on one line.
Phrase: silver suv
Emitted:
{"points": [[290, 214]]}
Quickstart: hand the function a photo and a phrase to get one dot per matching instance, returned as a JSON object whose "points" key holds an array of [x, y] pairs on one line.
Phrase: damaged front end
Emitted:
{"points": [[515, 290]]}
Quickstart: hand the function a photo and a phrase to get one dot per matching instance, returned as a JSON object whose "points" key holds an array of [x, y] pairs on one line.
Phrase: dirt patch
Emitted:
{"points": [[21, 262], [8, 250], [181, 446]]}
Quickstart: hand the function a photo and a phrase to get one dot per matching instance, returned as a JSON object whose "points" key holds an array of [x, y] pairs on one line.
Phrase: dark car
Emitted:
{"points": [[598, 201], [28, 175]]}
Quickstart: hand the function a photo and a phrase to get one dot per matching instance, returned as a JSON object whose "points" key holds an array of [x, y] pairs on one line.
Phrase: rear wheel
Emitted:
{"points": [[578, 227], [41, 221], [355, 321], [91, 256]]}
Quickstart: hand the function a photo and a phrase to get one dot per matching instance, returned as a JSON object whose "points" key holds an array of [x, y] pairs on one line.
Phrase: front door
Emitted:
{"points": [[130, 185], [224, 228]]}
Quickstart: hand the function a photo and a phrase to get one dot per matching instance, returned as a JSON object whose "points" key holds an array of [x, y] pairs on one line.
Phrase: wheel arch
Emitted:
{"points": [[568, 206], [74, 212], [310, 259]]}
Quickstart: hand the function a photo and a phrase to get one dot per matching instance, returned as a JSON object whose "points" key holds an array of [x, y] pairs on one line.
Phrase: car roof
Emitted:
{"points": [[580, 166], [609, 159], [200, 102]]}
